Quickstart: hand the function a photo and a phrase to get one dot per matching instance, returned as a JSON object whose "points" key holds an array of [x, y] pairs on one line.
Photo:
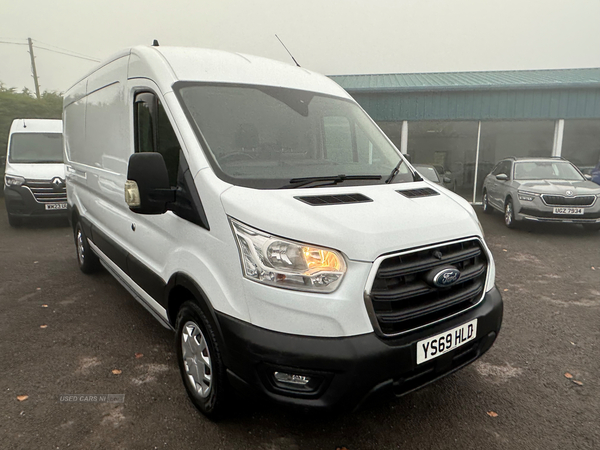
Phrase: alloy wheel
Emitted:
{"points": [[508, 214]]}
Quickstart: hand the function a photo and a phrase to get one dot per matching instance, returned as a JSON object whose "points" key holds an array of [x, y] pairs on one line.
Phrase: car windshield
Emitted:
{"points": [[428, 172], [36, 148], [263, 137], [546, 170]]}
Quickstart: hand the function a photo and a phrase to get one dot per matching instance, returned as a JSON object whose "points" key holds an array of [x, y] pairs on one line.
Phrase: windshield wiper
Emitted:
{"points": [[331, 180], [396, 171]]}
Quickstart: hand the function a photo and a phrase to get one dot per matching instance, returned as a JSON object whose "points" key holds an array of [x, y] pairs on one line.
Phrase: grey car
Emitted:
{"points": [[541, 190]]}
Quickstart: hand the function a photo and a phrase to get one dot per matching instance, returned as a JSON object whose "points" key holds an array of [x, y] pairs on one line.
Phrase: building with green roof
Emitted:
{"points": [[468, 121]]}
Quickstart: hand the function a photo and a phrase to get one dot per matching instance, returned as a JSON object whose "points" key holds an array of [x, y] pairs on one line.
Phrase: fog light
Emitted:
{"points": [[289, 378]]}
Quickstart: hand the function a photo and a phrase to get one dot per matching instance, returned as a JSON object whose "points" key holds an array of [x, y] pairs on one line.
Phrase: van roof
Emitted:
{"points": [[36, 126], [171, 64]]}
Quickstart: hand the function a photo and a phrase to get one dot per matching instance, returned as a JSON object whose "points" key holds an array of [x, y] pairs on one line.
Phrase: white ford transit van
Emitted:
{"points": [[254, 208], [34, 180]]}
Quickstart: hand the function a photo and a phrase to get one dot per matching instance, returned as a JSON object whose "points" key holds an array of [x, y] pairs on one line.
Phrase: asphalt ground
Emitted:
{"points": [[517, 396]]}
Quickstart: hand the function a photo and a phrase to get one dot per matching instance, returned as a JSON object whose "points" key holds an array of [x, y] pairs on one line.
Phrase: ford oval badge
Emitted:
{"points": [[446, 277]]}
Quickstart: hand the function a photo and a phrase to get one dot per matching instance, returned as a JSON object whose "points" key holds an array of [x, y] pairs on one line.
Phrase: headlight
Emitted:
{"points": [[12, 180], [527, 196], [287, 264]]}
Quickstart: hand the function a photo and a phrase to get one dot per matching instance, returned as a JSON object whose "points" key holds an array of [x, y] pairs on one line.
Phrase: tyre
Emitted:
{"points": [[509, 214], [487, 209], [200, 362], [14, 221], [86, 258], [591, 227]]}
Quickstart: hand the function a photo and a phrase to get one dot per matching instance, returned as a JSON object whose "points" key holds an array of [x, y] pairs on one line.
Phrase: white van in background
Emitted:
{"points": [[34, 180], [254, 208]]}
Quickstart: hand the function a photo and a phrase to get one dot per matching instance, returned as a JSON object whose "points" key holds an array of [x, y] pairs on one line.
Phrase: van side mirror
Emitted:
{"points": [[447, 180], [502, 177], [588, 177], [147, 189]]}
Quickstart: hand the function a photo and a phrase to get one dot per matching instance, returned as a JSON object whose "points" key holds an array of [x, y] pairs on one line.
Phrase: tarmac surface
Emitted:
{"points": [[63, 332]]}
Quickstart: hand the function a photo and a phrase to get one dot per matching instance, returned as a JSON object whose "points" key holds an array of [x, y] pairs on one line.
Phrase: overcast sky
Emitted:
{"points": [[331, 37]]}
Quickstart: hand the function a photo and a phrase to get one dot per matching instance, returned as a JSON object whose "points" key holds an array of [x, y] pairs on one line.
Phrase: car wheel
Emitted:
{"points": [[200, 362], [14, 221], [592, 227], [485, 204], [509, 214], [86, 258]]}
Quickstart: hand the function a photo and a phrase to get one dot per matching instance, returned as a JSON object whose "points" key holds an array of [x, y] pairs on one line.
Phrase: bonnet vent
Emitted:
{"points": [[341, 199], [424, 192]]}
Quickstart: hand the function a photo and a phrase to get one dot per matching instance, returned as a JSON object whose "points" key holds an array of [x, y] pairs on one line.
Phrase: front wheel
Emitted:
{"points": [[86, 258], [487, 209], [200, 361], [591, 227], [509, 214]]}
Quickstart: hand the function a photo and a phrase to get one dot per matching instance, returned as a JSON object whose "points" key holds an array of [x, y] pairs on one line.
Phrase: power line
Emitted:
{"points": [[65, 52], [68, 54], [64, 49], [13, 43]]}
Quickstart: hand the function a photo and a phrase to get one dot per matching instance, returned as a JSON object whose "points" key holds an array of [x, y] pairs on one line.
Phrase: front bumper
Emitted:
{"points": [[538, 211], [21, 203], [348, 371]]}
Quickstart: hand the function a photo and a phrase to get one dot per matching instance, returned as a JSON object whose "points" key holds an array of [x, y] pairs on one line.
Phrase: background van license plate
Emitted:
{"points": [[56, 206], [568, 210], [435, 346]]}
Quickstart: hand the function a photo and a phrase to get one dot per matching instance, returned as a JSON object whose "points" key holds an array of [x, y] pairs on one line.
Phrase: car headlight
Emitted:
{"points": [[287, 264], [527, 196], [13, 180]]}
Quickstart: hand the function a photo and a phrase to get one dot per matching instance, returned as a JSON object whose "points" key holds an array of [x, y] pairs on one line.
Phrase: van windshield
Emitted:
{"points": [[36, 148], [263, 137]]}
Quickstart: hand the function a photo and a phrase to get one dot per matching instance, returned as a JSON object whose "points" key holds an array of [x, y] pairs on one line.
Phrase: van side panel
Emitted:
{"points": [[74, 121], [100, 153]]}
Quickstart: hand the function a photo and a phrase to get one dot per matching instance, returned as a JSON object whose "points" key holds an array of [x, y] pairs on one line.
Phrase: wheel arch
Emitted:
{"points": [[73, 216], [181, 288]]}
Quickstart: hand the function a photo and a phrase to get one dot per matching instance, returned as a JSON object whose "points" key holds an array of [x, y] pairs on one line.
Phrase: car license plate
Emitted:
{"points": [[50, 206], [445, 342], [568, 210]]}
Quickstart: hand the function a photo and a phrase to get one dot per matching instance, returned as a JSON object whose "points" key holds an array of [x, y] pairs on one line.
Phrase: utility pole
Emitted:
{"points": [[33, 69]]}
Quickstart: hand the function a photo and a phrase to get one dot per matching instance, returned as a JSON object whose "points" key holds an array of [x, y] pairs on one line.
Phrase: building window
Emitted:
{"points": [[449, 146], [501, 139], [581, 143]]}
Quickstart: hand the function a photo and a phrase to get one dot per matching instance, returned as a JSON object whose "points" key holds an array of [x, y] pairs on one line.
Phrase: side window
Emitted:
{"points": [[154, 133], [498, 169], [502, 167]]}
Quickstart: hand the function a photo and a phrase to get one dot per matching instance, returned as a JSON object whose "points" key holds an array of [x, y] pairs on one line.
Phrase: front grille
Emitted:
{"points": [[401, 297], [46, 192], [559, 200]]}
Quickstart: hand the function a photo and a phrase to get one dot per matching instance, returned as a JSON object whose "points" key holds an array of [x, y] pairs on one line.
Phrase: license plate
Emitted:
{"points": [[568, 210], [52, 206], [445, 342]]}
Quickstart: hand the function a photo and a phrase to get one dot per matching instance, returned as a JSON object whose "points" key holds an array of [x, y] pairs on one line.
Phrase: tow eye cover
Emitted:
{"points": [[443, 277]]}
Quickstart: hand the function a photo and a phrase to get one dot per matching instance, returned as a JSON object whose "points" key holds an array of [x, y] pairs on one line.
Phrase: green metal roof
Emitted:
{"points": [[468, 81]]}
